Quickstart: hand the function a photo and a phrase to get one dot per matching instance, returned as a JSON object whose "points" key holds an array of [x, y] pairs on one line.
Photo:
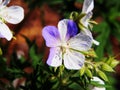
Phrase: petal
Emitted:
{"points": [[99, 81], [1, 1], [88, 6], [73, 60], [80, 42], [55, 57], [67, 28], [5, 2], [85, 19], [5, 32], [87, 32], [13, 14], [51, 36]]}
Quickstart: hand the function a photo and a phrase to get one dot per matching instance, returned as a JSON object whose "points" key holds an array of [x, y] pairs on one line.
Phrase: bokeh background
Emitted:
{"points": [[39, 13]]}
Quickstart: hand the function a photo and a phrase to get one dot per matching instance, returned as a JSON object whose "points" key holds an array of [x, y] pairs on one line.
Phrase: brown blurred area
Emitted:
{"points": [[30, 27]]}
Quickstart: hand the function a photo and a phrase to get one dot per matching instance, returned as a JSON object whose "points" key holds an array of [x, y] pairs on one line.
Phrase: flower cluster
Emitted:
{"points": [[13, 14], [66, 43], [70, 43]]}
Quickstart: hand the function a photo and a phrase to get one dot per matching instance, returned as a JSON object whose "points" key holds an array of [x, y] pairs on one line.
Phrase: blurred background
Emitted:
{"points": [[39, 13]]}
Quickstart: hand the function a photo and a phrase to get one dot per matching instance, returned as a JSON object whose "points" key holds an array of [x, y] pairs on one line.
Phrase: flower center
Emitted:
{"points": [[64, 46]]}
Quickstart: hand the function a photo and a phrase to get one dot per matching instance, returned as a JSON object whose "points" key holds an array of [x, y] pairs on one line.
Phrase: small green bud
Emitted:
{"points": [[106, 67], [0, 51], [114, 63], [102, 75], [88, 73], [82, 70], [74, 15]]}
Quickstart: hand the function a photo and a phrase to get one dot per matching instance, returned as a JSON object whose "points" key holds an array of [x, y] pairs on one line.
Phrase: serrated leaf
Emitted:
{"points": [[106, 67], [102, 75]]}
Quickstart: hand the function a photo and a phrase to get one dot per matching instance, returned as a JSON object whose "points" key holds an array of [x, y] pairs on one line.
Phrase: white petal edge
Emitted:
{"points": [[5, 31], [80, 42], [88, 6], [55, 57], [99, 81], [13, 14], [1, 1], [73, 60], [62, 28]]}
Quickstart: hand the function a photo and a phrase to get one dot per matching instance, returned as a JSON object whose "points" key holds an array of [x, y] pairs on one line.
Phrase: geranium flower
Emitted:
{"points": [[88, 6], [12, 14], [99, 81], [65, 44]]}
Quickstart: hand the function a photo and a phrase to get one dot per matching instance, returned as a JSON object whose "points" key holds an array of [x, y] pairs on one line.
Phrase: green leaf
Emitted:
{"points": [[103, 37], [102, 75]]}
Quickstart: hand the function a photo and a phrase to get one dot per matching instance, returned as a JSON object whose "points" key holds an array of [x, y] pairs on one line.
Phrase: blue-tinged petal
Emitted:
{"points": [[5, 2], [80, 42], [51, 36], [5, 32], [55, 57], [87, 32], [72, 28], [13, 14], [67, 28], [88, 6], [73, 60]]}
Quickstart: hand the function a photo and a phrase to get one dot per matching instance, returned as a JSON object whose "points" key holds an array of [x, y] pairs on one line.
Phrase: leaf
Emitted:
{"points": [[103, 37]]}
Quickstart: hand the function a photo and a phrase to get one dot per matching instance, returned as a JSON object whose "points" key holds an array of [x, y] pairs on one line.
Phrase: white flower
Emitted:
{"points": [[65, 44], [12, 14], [99, 81], [88, 6]]}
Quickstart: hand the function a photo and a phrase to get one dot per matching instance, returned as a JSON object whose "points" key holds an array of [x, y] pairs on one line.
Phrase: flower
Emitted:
{"points": [[12, 14], [88, 6], [65, 44], [99, 81]]}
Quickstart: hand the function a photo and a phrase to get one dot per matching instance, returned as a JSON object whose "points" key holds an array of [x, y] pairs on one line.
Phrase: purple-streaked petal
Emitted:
{"points": [[13, 14], [87, 32], [80, 42], [67, 28], [51, 36], [5, 2], [88, 6], [55, 57], [73, 60], [72, 28], [5, 31]]}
